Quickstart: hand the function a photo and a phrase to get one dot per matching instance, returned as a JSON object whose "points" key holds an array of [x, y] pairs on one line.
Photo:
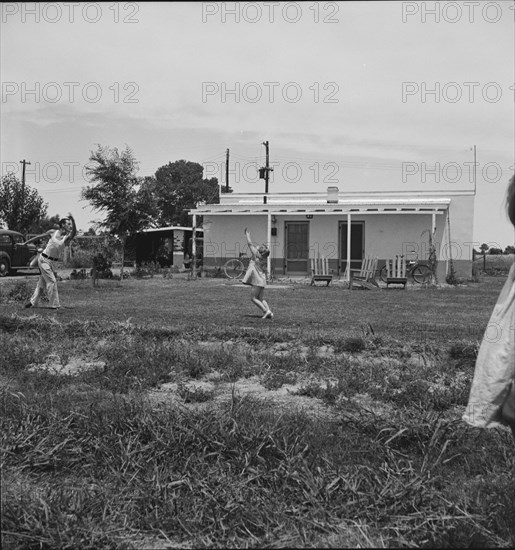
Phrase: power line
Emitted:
{"points": [[213, 157]]}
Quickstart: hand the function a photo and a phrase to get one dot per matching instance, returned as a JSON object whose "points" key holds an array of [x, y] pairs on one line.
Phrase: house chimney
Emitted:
{"points": [[332, 195]]}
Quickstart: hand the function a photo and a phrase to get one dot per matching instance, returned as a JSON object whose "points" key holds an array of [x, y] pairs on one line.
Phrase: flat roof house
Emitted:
{"points": [[343, 227]]}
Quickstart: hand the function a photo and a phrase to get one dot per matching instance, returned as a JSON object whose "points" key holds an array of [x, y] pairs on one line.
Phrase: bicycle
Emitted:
{"points": [[237, 267], [420, 273]]}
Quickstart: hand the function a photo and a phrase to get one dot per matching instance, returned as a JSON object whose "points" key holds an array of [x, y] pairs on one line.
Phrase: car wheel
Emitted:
{"points": [[4, 267]]}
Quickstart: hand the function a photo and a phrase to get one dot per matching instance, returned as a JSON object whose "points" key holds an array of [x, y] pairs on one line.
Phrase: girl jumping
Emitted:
{"points": [[256, 275]]}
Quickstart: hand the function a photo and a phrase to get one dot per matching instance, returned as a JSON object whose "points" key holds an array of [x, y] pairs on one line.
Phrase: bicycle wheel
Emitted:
{"points": [[383, 274], [422, 274], [234, 269]]}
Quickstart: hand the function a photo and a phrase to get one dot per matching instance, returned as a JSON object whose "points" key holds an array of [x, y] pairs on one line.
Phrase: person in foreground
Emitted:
{"points": [[256, 275], [47, 261], [492, 395]]}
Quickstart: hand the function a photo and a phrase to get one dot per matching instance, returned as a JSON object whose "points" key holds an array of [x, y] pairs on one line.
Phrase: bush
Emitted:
{"points": [[101, 267], [146, 269], [81, 274], [81, 259]]}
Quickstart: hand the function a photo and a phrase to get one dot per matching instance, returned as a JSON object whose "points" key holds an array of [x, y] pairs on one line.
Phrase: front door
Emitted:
{"points": [[297, 248], [357, 245]]}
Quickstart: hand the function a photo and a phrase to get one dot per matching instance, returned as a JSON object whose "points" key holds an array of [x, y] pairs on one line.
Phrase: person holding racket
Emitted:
{"points": [[48, 259]]}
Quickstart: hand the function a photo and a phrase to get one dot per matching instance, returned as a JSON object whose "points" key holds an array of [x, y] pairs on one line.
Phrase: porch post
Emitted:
{"points": [[446, 238], [348, 246], [269, 243], [194, 248]]}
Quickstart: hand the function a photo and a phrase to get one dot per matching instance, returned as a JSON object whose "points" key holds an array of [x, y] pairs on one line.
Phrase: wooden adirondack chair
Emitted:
{"points": [[396, 271], [320, 270], [366, 276]]}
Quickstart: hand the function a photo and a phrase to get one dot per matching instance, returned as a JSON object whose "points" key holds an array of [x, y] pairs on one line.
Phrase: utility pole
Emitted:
{"points": [[475, 170], [264, 173], [24, 162], [227, 171], [265, 143]]}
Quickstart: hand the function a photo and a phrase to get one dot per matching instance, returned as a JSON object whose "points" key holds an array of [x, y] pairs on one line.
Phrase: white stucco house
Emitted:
{"points": [[342, 226]]}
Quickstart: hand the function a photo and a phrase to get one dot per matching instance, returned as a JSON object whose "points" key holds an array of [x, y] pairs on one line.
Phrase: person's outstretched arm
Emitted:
{"points": [[252, 246], [37, 237]]}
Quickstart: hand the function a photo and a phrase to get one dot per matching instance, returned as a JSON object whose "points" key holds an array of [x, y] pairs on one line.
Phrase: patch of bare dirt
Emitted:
{"points": [[284, 398], [199, 394], [53, 364]]}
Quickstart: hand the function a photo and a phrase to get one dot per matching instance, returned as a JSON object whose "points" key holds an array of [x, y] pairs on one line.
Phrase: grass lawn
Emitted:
{"points": [[126, 421]]}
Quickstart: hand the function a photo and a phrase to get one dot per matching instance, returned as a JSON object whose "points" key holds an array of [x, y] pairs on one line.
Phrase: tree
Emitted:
{"points": [[510, 249], [128, 206], [484, 249], [44, 224], [179, 187], [20, 206]]}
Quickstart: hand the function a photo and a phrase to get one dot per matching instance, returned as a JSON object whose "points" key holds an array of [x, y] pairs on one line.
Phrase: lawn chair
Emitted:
{"points": [[320, 270], [396, 271], [366, 276]]}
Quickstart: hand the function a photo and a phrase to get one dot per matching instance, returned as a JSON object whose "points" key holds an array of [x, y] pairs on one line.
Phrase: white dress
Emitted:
{"points": [[495, 364], [255, 275]]}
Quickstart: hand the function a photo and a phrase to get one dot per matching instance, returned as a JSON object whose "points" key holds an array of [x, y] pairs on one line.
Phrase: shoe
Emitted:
{"points": [[28, 304], [268, 315]]}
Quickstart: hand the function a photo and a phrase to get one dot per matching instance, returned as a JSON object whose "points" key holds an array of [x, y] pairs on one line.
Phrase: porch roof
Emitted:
{"points": [[394, 205], [169, 228]]}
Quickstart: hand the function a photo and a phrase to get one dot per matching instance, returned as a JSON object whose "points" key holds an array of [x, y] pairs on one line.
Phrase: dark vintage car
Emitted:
{"points": [[14, 254]]}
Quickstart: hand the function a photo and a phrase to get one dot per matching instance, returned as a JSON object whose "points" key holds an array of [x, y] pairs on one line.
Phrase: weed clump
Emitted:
{"points": [[275, 379], [329, 393], [463, 350], [351, 344], [21, 292], [194, 394]]}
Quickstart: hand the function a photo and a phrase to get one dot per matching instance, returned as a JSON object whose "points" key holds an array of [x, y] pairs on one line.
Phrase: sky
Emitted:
{"points": [[358, 95]]}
